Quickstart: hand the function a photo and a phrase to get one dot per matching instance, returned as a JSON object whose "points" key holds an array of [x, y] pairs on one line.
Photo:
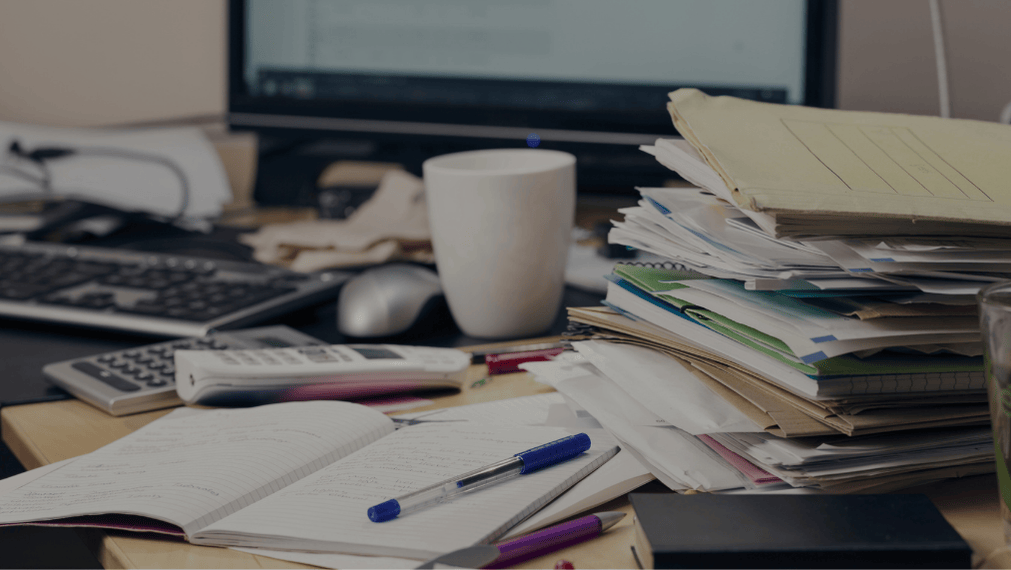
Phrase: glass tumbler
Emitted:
{"points": [[995, 326]]}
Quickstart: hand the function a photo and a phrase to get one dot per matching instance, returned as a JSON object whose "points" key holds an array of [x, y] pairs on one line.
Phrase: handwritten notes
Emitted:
{"points": [[327, 510], [301, 476], [194, 466]]}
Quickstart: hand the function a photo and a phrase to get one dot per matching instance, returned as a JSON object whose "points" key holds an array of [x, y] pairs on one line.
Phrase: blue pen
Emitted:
{"points": [[520, 464]]}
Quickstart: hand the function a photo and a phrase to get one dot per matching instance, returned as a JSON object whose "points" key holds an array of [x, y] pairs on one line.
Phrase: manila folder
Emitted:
{"points": [[873, 173]]}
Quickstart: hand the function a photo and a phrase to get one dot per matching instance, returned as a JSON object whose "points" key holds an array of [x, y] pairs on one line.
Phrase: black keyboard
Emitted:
{"points": [[156, 294]]}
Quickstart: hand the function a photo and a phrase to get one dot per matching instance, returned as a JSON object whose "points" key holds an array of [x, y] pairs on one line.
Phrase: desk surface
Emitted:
{"points": [[43, 433]]}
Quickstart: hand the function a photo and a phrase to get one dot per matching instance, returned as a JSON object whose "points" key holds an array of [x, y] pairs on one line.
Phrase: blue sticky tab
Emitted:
{"points": [[384, 511], [826, 338], [812, 358], [554, 452]]}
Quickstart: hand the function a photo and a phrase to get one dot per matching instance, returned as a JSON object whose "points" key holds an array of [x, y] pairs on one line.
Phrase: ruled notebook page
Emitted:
{"points": [[195, 466], [327, 511]]}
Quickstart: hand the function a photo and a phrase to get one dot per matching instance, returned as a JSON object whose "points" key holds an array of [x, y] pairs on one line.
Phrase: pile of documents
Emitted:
{"points": [[814, 323]]}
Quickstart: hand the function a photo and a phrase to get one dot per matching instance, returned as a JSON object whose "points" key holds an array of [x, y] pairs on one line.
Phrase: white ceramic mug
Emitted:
{"points": [[501, 226]]}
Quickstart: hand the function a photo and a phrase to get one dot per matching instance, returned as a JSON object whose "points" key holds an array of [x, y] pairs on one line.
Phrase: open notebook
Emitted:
{"points": [[298, 476]]}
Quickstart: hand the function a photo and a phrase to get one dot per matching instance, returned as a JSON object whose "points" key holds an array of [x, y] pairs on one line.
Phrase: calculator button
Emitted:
{"points": [[119, 364], [157, 383], [227, 359], [143, 376], [106, 358], [105, 376]]}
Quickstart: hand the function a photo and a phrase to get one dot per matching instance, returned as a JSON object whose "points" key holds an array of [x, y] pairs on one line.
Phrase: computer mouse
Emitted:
{"points": [[387, 300]]}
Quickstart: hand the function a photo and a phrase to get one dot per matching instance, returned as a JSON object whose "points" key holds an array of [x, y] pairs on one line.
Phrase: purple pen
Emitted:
{"points": [[553, 538]]}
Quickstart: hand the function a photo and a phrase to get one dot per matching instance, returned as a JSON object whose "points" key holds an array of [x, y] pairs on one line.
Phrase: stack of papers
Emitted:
{"points": [[814, 323], [692, 437], [705, 229]]}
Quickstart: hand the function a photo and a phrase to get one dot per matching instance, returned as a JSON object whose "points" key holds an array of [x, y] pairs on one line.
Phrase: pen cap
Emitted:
{"points": [[384, 511], [554, 452]]}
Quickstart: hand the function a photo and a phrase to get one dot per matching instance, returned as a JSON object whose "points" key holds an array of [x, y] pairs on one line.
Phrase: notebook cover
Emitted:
{"points": [[797, 531]]}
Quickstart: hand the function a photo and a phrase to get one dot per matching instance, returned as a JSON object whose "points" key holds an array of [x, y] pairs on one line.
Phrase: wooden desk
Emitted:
{"points": [[39, 434]]}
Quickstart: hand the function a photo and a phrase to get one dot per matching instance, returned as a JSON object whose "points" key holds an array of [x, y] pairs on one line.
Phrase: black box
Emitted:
{"points": [[794, 531]]}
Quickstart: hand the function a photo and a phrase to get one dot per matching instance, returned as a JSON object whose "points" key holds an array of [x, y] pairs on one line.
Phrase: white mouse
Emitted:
{"points": [[387, 300]]}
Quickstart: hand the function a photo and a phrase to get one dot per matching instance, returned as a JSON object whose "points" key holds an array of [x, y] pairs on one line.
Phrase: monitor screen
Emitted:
{"points": [[416, 78]]}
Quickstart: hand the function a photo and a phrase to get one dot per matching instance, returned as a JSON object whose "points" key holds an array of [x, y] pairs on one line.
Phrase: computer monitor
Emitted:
{"points": [[404, 80]]}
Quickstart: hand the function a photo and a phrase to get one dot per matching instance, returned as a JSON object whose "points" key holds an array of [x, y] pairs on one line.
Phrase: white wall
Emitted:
{"points": [[94, 62], [886, 59]]}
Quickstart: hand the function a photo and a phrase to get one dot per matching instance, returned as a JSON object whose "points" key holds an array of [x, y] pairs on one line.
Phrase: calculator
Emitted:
{"points": [[141, 379], [337, 371]]}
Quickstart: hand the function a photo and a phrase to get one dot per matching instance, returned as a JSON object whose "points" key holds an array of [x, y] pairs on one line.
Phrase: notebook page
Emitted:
{"points": [[195, 466], [327, 511], [524, 410]]}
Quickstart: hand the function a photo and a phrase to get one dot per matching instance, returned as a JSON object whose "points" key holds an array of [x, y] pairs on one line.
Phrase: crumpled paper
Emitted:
{"points": [[392, 225]]}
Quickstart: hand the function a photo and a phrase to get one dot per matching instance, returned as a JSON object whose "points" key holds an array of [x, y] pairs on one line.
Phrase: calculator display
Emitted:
{"points": [[375, 353]]}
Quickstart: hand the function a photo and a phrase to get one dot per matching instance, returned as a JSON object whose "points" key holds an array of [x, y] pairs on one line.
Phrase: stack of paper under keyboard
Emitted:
{"points": [[820, 285]]}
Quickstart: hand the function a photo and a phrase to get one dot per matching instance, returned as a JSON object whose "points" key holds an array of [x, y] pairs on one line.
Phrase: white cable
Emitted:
{"points": [[942, 66], [1005, 114]]}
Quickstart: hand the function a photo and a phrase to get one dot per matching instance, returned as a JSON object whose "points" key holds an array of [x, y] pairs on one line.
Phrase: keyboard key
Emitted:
{"points": [[22, 292], [94, 301], [109, 378]]}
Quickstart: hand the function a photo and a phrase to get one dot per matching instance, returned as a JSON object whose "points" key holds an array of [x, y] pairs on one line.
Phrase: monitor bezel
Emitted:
{"points": [[482, 125]]}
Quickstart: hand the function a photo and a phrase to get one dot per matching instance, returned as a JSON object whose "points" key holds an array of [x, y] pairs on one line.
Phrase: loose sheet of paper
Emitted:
{"points": [[676, 458], [622, 474], [665, 388]]}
